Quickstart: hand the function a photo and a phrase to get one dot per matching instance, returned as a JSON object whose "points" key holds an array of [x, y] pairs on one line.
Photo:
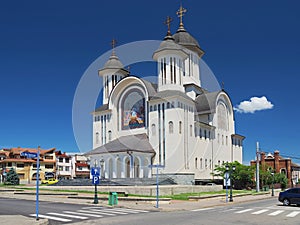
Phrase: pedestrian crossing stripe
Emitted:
{"points": [[243, 211], [51, 218], [97, 211], [260, 212], [276, 213], [67, 215], [293, 214], [203, 209], [83, 214]]}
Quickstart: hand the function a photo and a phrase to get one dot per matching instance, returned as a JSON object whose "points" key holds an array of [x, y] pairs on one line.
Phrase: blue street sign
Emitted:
{"points": [[29, 154], [95, 171], [96, 180]]}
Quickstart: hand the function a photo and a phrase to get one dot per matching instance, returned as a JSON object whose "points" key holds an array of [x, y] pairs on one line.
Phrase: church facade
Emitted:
{"points": [[174, 123]]}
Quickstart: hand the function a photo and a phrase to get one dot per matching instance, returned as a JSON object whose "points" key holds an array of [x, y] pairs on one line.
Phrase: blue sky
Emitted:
{"points": [[45, 48]]}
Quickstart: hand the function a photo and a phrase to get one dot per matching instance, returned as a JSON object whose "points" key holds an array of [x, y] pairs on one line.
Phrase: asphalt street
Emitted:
{"points": [[267, 211]]}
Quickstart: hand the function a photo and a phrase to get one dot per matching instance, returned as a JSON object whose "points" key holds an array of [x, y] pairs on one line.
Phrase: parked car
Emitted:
{"points": [[290, 196], [50, 181]]}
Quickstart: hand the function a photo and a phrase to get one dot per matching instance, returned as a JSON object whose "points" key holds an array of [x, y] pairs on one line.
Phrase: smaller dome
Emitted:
{"points": [[113, 63], [169, 45]]}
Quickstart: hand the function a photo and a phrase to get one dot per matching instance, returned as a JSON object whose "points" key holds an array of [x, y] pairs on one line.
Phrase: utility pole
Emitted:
{"points": [[257, 166]]}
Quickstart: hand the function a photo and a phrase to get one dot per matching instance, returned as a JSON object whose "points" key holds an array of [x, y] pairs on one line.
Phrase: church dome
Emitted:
{"points": [[182, 37], [113, 63]]}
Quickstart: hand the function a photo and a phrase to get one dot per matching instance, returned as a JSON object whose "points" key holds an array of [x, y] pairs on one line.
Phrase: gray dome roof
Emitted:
{"points": [[182, 37], [169, 43], [113, 63]]}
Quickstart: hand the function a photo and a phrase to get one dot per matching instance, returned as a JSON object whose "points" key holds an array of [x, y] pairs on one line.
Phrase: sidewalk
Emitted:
{"points": [[87, 199]]}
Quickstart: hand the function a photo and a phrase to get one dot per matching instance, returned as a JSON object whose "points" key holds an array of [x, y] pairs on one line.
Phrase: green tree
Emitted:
{"points": [[242, 175], [12, 177], [281, 179]]}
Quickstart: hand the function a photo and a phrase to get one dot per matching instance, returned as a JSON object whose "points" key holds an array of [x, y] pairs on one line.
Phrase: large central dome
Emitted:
{"points": [[182, 37]]}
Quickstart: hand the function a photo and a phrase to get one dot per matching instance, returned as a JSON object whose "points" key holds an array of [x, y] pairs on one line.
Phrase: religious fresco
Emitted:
{"points": [[133, 110]]}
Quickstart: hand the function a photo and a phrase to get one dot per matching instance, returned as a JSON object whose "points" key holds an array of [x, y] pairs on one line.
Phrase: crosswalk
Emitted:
{"points": [[86, 213], [269, 211]]}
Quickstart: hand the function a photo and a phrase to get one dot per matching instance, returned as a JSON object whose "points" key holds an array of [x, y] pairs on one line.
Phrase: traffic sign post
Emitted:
{"points": [[157, 187], [95, 172], [37, 156]]}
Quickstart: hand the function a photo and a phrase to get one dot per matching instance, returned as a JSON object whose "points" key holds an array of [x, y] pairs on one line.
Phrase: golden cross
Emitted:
{"points": [[168, 23], [113, 43], [180, 14]]}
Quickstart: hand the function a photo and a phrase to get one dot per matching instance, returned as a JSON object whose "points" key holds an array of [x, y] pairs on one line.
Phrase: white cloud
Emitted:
{"points": [[255, 104]]}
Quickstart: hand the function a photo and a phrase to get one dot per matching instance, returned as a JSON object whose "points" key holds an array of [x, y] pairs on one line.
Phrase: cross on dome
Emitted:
{"points": [[180, 14], [168, 23], [113, 45]]}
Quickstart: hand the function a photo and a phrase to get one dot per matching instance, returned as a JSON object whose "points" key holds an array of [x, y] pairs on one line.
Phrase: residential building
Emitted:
{"points": [[26, 168], [80, 166], [63, 165]]}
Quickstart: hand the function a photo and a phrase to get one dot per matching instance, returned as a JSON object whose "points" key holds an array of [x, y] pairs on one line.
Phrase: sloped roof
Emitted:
{"points": [[170, 93], [206, 102], [135, 143]]}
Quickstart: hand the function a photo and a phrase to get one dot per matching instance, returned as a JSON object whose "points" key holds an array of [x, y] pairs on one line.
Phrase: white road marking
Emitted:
{"points": [[293, 214], [203, 209], [99, 211], [83, 214], [51, 218], [67, 215], [260, 212], [276, 213], [243, 211], [113, 211], [130, 210]]}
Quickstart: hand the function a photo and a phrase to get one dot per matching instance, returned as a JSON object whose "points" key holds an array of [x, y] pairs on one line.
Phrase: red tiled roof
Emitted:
{"points": [[17, 151], [17, 160]]}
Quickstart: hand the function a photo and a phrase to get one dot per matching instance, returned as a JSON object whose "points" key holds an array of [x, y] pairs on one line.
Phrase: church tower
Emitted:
{"points": [[170, 59], [112, 72], [190, 44]]}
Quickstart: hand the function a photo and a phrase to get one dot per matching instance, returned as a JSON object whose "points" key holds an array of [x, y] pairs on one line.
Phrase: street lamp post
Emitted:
{"points": [[272, 184]]}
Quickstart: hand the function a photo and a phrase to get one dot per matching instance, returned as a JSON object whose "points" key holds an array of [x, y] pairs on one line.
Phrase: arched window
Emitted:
{"points": [[171, 127], [205, 134], [109, 135], [196, 163], [97, 138], [155, 107], [153, 129], [200, 133], [151, 108], [201, 163], [180, 127], [168, 105], [191, 130]]}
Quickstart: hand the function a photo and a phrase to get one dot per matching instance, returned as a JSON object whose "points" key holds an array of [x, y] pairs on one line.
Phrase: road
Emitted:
{"points": [[62, 213], [268, 211]]}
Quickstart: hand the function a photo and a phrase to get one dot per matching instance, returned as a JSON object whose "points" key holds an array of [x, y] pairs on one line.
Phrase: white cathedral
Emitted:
{"points": [[175, 123]]}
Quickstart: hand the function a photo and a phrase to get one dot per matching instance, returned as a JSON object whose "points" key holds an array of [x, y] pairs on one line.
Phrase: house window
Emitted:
{"points": [[171, 127], [19, 165], [48, 166], [60, 168], [9, 164], [67, 160], [67, 168], [61, 160], [180, 127]]}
